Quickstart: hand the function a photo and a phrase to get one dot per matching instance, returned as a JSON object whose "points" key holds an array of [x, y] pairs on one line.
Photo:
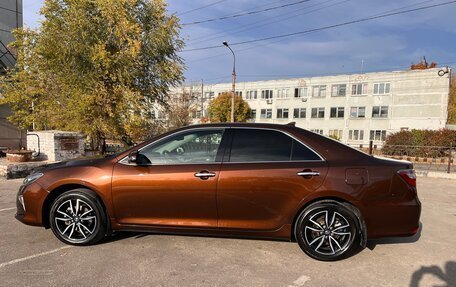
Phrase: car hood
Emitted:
{"points": [[73, 163]]}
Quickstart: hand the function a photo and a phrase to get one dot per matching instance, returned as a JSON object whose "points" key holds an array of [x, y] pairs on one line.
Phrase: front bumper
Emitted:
{"points": [[29, 202]]}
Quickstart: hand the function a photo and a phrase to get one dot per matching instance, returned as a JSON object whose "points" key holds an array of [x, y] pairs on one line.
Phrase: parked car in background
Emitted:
{"points": [[237, 180]]}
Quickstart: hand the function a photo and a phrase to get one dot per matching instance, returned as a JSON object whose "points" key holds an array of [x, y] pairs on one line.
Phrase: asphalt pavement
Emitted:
{"points": [[32, 256]]}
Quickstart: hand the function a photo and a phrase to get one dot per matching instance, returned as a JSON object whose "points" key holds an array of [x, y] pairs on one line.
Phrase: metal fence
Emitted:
{"points": [[426, 158]]}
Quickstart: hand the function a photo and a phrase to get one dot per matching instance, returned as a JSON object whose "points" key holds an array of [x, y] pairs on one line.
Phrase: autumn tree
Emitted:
{"points": [[96, 66], [452, 102], [423, 65], [220, 109], [179, 110]]}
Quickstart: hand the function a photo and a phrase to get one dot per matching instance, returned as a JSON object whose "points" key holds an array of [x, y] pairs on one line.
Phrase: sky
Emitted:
{"points": [[386, 44]]}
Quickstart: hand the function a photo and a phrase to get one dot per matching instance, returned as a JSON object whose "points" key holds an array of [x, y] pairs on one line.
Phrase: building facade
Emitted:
{"points": [[353, 108], [10, 18]]}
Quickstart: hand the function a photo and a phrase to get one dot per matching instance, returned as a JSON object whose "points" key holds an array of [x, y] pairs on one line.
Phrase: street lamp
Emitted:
{"points": [[233, 91]]}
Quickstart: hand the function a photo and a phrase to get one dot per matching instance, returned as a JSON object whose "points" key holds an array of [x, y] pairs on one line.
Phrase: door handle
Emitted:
{"points": [[204, 174], [308, 173]]}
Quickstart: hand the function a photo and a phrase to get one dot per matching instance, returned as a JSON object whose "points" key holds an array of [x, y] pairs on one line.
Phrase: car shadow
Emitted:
{"points": [[372, 243], [447, 274]]}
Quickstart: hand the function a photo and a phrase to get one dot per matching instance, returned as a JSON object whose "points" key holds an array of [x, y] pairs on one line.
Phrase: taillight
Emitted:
{"points": [[409, 176]]}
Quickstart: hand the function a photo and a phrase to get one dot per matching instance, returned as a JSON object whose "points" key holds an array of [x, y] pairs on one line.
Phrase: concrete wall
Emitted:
{"points": [[57, 145], [417, 100]]}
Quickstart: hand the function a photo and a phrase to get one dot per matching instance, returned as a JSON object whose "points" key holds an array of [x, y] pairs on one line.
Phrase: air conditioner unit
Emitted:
{"points": [[304, 99], [269, 101]]}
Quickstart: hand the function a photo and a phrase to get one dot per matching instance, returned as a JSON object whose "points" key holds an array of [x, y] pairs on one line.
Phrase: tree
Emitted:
{"points": [[96, 66], [452, 102], [179, 110], [423, 65], [220, 109]]}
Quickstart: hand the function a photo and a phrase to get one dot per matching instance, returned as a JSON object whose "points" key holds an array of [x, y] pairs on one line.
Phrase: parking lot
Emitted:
{"points": [[32, 256]]}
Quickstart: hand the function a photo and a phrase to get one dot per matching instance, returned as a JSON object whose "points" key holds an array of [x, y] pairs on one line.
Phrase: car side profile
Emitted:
{"points": [[236, 180]]}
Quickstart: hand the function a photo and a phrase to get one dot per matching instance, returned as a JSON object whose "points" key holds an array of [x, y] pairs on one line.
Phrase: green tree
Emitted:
{"points": [[96, 66], [220, 109]]}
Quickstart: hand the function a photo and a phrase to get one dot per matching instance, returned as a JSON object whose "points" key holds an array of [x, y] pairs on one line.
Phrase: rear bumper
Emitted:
{"points": [[394, 219], [29, 203]]}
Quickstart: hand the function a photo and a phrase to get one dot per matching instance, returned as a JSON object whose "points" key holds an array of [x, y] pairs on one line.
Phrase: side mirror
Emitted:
{"points": [[133, 156]]}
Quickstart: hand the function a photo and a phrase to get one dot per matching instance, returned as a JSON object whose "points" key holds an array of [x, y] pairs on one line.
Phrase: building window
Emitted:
{"points": [[339, 90], [359, 89], [238, 93], [318, 113], [319, 91], [266, 113], [358, 112], [381, 88], [356, 135], [337, 112], [299, 113], [266, 94], [282, 113], [300, 93], [377, 135], [253, 114], [380, 112], [251, 95], [335, 134], [282, 93], [317, 131], [209, 95]]}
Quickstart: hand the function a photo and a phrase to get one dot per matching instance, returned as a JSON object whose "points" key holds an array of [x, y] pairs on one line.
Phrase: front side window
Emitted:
{"points": [[191, 147], [250, 145]]}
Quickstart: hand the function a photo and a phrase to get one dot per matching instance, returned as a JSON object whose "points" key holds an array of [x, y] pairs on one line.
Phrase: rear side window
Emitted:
{"points": [[250, 145]]}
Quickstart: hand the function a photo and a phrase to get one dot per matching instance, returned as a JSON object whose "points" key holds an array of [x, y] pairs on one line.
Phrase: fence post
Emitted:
{"points": [[450, 158], [370, 147]]}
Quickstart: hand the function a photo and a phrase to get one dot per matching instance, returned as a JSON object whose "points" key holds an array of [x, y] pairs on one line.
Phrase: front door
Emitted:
{"points": [[176, 183]]}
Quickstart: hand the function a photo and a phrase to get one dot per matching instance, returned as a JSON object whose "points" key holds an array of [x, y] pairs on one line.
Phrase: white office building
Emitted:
{"points": [[354, 108]]}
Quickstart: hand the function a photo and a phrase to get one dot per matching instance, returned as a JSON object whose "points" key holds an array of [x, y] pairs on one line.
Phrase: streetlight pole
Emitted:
{"points": [[233, 89]]}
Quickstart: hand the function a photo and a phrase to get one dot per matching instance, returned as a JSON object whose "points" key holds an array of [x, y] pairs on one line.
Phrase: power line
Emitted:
{"points": [[268, 22], [326, 27], [201, 8], [245, 13]]}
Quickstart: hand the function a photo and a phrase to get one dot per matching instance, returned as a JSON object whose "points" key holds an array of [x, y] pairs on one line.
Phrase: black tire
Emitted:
{"points": [[327, 231], [77, 217]]}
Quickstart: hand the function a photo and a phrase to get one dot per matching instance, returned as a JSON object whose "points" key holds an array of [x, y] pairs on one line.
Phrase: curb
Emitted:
{"points": [[435, 174]]}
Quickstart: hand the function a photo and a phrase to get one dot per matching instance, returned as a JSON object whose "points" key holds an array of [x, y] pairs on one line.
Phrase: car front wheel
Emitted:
{"points": [[327, 231], [77, 218]]}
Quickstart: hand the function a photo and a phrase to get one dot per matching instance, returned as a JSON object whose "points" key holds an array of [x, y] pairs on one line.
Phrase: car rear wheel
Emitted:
{"points": [[327, 231], [77, 218]]}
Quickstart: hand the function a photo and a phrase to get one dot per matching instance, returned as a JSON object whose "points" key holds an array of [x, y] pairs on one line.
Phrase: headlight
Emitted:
{"points": [[31, 178]]}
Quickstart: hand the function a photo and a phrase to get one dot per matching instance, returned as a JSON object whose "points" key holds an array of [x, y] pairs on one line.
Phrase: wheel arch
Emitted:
{"points": [[339, 200], [56, 192]]}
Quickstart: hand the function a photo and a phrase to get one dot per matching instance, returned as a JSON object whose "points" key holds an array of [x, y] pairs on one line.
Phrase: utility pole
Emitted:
{"points": [[233, 80], [202, 98]]}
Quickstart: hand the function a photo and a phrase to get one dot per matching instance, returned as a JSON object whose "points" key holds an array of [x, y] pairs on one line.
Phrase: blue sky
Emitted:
{"points": [[390, 43]]}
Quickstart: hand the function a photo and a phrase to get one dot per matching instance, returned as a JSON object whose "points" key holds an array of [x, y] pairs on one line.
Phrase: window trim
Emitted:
{"points": [[226, 145], [229, 147]]}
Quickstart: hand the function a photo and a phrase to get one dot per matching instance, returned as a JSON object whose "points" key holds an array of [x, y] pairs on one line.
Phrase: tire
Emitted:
{"points": [[327, 231], [77, 218]]}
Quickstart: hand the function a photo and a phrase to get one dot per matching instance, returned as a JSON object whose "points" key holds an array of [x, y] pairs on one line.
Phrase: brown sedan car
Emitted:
{"points": [[246, 180]]}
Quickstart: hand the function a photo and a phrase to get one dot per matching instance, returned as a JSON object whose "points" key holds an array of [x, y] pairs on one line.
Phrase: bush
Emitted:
{"points": [[420, 143]]}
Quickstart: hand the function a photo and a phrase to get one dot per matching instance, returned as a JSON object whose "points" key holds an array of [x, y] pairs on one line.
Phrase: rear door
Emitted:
{"points": [[264, 177]]}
